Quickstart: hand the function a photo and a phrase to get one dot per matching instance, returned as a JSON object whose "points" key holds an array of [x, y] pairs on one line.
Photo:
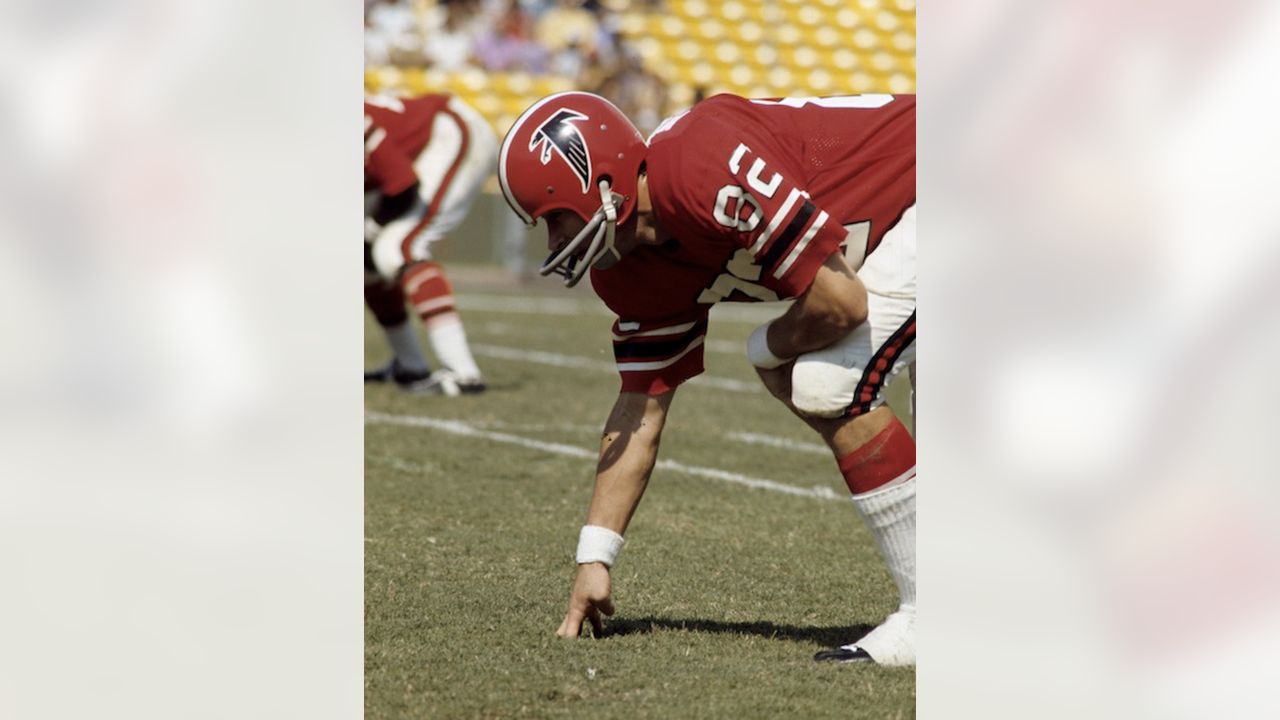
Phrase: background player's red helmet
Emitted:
{"points": [[556, 153]]}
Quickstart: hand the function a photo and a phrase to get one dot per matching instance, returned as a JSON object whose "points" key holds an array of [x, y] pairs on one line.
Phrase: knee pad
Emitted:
{"points": [[820, 388]]}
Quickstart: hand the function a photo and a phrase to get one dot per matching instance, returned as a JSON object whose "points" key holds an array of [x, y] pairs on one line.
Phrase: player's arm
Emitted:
{"points": [[628, 452], [391, 207], [790, 246], [397, 182], [834, 304]]}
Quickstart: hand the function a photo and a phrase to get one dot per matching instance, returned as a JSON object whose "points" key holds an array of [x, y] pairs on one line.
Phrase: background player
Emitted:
{"points": [[426, 159]]}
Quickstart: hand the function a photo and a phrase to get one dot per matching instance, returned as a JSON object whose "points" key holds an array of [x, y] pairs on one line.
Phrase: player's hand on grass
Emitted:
{"points": [[591, 597]]}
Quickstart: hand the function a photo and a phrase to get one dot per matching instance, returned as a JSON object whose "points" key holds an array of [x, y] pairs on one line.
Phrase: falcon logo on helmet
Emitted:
{"points": [[602, 152], [561, 134]]}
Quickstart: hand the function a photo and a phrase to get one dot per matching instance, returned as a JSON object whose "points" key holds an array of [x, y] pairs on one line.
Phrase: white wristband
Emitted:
{"points": [[758, 351], [598, 544]]}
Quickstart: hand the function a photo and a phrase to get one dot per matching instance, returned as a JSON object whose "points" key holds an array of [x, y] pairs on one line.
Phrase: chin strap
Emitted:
{"points": [[601, 228]]}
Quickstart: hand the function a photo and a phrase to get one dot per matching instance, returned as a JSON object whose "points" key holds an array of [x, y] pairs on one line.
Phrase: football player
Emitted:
{"points": [[425, 160], [811, 199]]}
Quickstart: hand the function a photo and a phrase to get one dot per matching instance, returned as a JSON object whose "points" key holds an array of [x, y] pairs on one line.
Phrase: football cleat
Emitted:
{"points": [[395, 372], [890, 643], [844, 654], [448, 383]]}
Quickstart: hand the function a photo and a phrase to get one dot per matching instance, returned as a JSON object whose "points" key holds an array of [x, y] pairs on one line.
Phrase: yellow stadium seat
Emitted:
{"points": [[487, 103], [765, 56], [549, 84], [820, 81], [702, 74], [413, 81], [668, 26], [712, 29], [692, 9], [680, 94], [788, 34], [802, 58], [687, 51], [865, 39], [887, 21], [742, 75], [728, 53], [904, 42], [750, 33], [516, 104], [846, 18], [733, 11], [844, 59], [827, 36], [781, 79], [809, 15]]}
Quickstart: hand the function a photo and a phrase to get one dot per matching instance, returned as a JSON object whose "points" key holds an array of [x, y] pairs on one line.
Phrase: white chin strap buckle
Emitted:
{"points": [[601, 228]]}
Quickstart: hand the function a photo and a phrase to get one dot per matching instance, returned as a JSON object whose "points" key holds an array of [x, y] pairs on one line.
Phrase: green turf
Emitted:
{"points": [[723, 592]]}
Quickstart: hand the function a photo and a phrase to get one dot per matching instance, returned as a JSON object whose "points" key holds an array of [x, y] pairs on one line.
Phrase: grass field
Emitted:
{"points": [[745, 557]]}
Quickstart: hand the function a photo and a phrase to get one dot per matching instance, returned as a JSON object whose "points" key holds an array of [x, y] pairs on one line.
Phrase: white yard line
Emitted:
{"points": [[777, 442], [754, 313], [584, 363], [728, 347], [455, 427]]}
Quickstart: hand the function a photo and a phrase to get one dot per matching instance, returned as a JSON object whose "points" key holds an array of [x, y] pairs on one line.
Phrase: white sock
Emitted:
{"points": [[890, 514], [449, 341], [403, 340]]}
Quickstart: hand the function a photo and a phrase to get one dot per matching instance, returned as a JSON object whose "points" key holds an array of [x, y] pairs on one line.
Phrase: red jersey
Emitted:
{"points": [[395, 133], [757, 194]]}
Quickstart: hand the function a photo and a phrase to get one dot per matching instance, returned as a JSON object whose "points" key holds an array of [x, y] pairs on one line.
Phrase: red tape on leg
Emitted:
{"points": [[889, 455], [428, 289]]}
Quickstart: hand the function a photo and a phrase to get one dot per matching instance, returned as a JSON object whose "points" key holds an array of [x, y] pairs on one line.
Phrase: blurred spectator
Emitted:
{"points": [[392, 33], [509, 45], [640, 94], [569, 61], [452, 45], [568, 25]]}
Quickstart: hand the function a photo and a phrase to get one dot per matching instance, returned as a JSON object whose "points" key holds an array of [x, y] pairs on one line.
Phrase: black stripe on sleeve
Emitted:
{"points": [[788, 236]]}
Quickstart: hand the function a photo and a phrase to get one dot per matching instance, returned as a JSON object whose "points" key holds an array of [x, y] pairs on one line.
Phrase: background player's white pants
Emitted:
{"points": [[851, 375], [461, 155]]}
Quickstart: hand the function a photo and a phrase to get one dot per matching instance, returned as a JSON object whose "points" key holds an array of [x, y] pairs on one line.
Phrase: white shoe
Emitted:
{"points": [[893, 642], [450, 384]]}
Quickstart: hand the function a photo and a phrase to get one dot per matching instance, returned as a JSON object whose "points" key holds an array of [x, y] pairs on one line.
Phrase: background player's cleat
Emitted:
{"points": [[450, 384], [844, 654], [394, 372]]}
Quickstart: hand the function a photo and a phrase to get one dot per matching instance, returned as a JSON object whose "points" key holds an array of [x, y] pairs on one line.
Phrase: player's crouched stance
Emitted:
{"points": [[740, 200], [426, 159]]}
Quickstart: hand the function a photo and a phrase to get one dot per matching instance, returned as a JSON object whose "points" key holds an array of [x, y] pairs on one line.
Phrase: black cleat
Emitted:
{"points": [[393, 372], [844, 655]]}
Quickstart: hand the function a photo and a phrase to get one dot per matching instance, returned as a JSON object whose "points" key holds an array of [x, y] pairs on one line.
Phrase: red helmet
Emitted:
{"points": [[573, 151]]}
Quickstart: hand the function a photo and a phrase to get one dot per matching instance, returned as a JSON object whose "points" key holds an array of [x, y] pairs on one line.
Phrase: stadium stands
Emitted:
{"points": [[749, 47]]}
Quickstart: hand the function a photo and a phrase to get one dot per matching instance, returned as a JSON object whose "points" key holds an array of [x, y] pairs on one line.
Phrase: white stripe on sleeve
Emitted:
{"points": [[800, 246]]}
